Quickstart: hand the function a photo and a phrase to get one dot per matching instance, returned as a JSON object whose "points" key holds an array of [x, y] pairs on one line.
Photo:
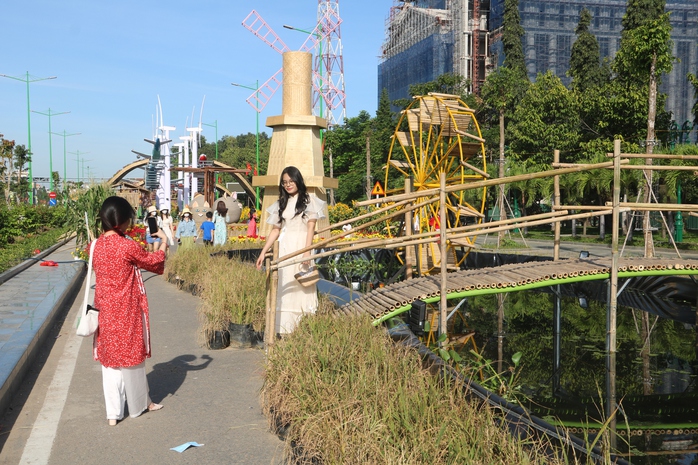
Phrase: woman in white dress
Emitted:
{"points": [[293, 218], [166, 220]]}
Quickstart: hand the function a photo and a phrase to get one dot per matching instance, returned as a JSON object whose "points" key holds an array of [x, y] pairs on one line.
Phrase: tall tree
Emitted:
{"points": [[22, 158], [545, 120], [585, 66], [512, 34], [501, 91], [644, 55]]}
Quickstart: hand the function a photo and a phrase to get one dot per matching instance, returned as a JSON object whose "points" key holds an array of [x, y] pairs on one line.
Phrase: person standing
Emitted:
{"points": [[208, 229], [153, 242], [186, 230], [166, 221], [252, 224], [122, 340], [293, 217], [220, 220]]}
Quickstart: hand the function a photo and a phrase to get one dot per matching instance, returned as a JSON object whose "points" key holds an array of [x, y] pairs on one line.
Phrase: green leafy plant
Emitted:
{"points": [[89, 201]]}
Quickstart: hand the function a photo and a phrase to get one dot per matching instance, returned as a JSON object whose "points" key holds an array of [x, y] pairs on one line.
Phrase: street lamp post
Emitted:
{"points": [[65, 171], [50, 145], [78, 160], [256, 106], [28, 79]]}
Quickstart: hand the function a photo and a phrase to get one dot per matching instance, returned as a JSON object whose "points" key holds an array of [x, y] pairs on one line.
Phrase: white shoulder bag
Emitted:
{"points": [[89, 317]]}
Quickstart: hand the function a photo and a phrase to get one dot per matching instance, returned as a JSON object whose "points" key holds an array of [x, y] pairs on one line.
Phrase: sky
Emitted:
{"points": [[113, 59]]}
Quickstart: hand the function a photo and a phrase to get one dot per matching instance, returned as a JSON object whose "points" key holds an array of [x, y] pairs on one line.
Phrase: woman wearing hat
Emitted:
{"points": [[186, 229], [166, 221], [152, 240]]}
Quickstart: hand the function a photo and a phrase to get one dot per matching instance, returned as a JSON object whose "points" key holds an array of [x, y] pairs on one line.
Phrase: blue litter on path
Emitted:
{"points": [[186, 446]]}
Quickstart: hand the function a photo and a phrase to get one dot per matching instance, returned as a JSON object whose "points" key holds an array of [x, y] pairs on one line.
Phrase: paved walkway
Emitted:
{"points": [[211, 397]]}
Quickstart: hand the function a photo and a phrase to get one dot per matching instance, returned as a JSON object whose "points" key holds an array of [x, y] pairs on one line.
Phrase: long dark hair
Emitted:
{"points": [[115, 211], [303, 199], [221, 208]]}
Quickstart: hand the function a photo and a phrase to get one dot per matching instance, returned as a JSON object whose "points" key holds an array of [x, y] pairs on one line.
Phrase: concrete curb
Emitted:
{"points": [[16, 359], [17, 269]]}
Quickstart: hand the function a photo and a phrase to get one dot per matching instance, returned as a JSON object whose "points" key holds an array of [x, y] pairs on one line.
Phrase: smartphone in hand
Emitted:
{"points": [[152, 225]]}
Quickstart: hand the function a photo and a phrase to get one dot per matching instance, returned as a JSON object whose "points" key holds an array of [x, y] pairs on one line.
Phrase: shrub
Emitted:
{"points": [[345, 393]]}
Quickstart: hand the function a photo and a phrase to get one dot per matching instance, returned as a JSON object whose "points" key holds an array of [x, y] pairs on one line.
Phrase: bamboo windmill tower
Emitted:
{"points": [[295, 138]]}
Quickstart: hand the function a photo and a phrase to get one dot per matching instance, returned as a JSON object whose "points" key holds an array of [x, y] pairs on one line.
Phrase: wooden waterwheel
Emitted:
{"points": [[438, 133]]}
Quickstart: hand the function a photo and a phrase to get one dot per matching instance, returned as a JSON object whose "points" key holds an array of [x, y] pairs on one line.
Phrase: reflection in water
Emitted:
{"points": [[660, 413]]}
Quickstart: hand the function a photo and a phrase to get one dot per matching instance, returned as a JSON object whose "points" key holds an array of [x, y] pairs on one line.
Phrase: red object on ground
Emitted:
{"points": [[49, 263], [37, 251]]}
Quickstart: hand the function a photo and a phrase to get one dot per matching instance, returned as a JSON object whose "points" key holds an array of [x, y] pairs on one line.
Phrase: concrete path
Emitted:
{"points": [[210, 397]]}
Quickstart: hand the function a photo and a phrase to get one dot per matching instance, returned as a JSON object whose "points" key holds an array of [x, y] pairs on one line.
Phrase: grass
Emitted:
{"points": [[14, 254], [231, 291], [343, 392]]}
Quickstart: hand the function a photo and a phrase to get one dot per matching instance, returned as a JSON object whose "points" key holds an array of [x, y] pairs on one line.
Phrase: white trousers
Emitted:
{"points": [[122, 384]]}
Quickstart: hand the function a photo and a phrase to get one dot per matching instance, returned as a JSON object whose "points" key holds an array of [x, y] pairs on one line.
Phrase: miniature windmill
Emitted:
{"points": [[326, 91]]}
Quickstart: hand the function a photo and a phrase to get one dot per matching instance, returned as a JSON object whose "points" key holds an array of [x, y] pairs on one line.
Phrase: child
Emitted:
{"points": [[208, 227]]}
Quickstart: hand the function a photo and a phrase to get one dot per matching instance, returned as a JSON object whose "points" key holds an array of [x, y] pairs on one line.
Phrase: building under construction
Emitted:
{"points": [[427, 38]]}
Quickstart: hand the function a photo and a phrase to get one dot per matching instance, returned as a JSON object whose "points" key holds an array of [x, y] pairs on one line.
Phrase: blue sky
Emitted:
{"points": [[113, 59]]}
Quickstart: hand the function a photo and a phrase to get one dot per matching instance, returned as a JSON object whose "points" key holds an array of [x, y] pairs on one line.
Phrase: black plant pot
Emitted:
{"points": [[241, 336], [219, 340]]}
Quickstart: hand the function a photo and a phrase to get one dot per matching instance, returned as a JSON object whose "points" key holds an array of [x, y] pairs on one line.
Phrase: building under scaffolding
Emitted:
{"points": [[427, 38]]}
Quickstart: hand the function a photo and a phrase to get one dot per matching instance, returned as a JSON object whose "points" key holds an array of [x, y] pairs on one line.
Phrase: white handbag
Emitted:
{"points": [[89, 318]]}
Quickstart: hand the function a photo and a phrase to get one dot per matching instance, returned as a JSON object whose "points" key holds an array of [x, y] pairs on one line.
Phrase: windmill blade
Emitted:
{"points": [[318, 35], [162, 121], [255, 24], [259, 99]]}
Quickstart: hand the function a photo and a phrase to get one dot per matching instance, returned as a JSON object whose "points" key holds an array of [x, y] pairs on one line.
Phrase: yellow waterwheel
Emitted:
{"points": [[438, 133]]}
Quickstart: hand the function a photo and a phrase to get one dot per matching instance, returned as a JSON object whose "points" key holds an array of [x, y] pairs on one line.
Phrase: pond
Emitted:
{"points": [[656, 388]]}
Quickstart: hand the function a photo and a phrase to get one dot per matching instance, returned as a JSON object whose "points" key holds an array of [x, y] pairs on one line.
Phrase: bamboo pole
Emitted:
{"points": [[488, 183], [409, 252], [660, 168], [656, 156], [416, 239], [639, 206], [607, 207], [474, 168], [613, 297], [556, 205], [443, 224], [361, 217], [270, 331]]}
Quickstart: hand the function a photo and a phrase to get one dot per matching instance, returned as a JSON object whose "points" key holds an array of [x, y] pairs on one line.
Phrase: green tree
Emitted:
{"points": [[512, 34], [501, 92], [545, 120], [644, 55], [21, 159], [348, 145], [585, 68]]}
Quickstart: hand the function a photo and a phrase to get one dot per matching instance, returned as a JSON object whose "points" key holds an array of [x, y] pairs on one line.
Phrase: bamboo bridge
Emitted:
{"points": [[394, 299]]}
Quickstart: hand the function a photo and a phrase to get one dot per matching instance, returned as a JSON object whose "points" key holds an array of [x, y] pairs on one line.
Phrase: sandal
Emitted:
{"points": [[153, 407]]}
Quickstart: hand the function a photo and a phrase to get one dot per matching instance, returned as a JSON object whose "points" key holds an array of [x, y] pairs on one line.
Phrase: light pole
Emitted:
{"points": [[50, 145], [215, 126], [256, 107], [29, 79], [78, 160], [65, 175]]}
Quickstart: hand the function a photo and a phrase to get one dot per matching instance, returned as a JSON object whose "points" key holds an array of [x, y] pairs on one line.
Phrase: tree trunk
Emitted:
{"points": [[369, 187], [602, 225], [502, 209], [651, 116]]}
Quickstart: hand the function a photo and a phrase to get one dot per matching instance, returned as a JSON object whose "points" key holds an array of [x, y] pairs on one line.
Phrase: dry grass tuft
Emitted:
{"points": [[343, 392]]}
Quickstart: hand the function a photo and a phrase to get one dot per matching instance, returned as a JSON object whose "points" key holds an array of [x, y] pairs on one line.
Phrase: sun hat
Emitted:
{"points": [[186, 211], [152, 209]]}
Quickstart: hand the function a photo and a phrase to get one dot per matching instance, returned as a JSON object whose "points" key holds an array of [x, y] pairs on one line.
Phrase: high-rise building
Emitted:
{"points": [[427, 38]]}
